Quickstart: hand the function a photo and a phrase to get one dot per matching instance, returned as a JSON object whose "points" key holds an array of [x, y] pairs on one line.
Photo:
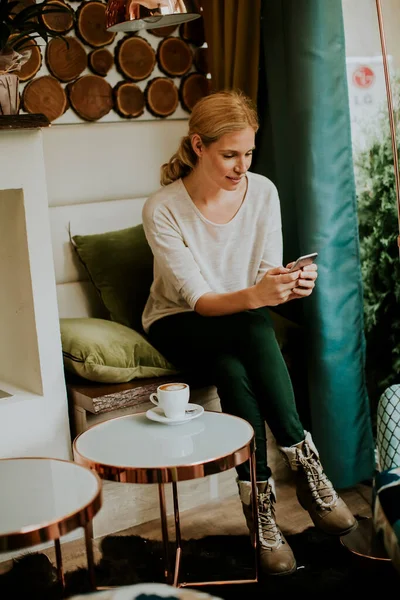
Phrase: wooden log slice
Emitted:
{"points": [[128, 99], [174, 56], [201, 61], [163, 31], [90, 97], [32, 66], [193, 87], [45, 95], [22, 4], [66, 62], [58, 22], [135, 58], [162, 97], [101, 61], [91, 24], [193, 31]]}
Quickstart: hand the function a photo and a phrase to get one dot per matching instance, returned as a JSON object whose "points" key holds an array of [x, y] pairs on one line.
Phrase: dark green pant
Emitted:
{"points": [[240, 355]]}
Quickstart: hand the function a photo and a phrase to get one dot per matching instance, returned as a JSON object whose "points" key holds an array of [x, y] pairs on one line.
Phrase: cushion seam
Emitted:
{"points": [[72, 357]]}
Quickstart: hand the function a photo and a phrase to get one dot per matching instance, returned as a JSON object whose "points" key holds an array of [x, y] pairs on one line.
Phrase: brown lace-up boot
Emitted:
{"points": [[315, 492], [276, 556]]}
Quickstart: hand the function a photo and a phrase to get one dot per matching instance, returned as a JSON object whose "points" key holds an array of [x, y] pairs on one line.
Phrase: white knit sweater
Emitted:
{"points": [[194, 256]]}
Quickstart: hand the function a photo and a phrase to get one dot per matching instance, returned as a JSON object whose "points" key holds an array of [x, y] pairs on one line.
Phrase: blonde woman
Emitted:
{"points": [[215, 231]]}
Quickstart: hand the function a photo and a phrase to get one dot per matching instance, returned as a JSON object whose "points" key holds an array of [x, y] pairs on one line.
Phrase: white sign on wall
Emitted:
{"points": [[367, 96]]}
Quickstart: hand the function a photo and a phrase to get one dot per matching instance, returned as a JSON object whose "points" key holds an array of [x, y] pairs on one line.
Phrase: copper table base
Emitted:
{"points": [[172, 576], [364, 542]]}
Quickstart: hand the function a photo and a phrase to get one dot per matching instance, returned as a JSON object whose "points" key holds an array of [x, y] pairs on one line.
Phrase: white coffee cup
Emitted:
{"points": [[172, 398]]}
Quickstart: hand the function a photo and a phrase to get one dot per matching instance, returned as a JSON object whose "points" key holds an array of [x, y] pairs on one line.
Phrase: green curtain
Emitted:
{"points": [[304, 146]]}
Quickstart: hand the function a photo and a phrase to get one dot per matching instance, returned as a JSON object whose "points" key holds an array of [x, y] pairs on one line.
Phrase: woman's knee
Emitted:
{"points": [[228, 366], [254, 325]]}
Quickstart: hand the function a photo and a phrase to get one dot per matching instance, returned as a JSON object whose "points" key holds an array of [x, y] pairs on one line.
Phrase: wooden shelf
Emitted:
{"points": [[23, 121]]}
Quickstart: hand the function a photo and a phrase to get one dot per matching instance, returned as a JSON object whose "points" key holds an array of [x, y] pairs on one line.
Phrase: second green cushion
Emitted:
{"points": [[108, 352], [120, 265]]}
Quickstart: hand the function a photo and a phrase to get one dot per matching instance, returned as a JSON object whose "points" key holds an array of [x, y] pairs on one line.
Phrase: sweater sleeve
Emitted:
{"points": [[174, 258], [273, 247]]}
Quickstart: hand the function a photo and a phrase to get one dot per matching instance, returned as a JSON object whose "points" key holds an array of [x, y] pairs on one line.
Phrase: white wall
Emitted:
{"points": [[105, 161], [362, 32], [365, 73]]}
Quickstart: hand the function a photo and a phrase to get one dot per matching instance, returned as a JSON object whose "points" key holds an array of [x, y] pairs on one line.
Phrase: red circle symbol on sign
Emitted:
{"points": [[363, 77]]}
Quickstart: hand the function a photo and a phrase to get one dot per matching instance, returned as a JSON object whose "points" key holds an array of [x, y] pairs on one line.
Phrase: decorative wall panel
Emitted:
{"points": [[106, 77]]}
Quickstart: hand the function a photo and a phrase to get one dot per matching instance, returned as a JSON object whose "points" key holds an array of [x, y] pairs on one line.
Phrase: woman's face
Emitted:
{"points": [[225, 162]]}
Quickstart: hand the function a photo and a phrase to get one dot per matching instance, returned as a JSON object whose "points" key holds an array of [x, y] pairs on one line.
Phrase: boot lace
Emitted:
{"points": [[322, 490], [269, 533]]}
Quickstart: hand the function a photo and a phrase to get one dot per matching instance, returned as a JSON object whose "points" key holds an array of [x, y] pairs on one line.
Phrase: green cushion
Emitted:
{"points": [[120, 265], [108, 352]]}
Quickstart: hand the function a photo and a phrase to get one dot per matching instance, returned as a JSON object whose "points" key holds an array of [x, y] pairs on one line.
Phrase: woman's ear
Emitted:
{"points": [[197, 144]]}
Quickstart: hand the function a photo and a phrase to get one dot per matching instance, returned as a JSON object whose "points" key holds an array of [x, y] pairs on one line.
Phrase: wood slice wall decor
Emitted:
{"points": [[58, 22], [45, 95], [32, 66], [90, 97], [201, 60], [66, 61], [174, 56], [164, 31], [193, 87], [101, 61], [91, 24], [135, 58], [193, 32], [162, 97], [129, 99], [104, 76]]}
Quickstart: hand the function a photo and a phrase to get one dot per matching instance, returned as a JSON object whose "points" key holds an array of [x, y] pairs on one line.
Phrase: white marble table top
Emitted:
{"points": [[135, 442], [43, 494]]}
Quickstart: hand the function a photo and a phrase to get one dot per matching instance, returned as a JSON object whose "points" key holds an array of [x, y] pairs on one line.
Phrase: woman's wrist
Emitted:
{"points": [[253, 297]]}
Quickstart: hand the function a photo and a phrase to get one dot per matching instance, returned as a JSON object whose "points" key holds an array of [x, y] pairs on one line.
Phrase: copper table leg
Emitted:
{"points": [[178, 545], [89, 554], [164, 531], [255, 537], [60, 570]]}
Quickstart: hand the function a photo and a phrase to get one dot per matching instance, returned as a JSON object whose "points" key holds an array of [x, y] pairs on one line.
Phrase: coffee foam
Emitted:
{"points": [[172, 387]]}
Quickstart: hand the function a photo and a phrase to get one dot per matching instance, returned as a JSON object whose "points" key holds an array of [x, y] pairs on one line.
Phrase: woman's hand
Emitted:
{"points": [[306, 281], [276, 287]]}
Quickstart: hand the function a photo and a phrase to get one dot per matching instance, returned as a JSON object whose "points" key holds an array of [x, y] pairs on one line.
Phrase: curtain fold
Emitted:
{"points": [[232, 30], [304, 146]]}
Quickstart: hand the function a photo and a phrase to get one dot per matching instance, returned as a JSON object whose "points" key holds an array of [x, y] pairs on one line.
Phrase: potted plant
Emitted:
{"points": [[379, 253], [20, 24]]}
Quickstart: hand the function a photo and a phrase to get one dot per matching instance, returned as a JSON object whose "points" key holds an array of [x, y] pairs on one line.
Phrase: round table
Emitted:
{"points": [[42, 499], [133, 449]]}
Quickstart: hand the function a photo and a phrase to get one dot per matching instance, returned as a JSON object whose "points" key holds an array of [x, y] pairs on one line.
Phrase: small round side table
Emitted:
{"points": [[42, 499], [133, 449]]}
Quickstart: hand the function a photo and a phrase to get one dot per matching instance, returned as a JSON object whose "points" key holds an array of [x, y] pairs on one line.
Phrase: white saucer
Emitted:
{"points": [[156, 414]]}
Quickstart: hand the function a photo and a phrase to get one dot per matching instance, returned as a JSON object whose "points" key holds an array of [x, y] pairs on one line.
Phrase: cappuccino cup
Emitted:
{"points": [[172, 398]]}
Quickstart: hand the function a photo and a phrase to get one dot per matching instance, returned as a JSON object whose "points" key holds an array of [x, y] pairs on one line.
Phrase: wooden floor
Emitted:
{"points": [[218, 518]]}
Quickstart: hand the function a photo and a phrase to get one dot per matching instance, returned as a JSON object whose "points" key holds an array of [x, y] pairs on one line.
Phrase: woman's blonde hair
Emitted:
{"points": [[212, 117]]}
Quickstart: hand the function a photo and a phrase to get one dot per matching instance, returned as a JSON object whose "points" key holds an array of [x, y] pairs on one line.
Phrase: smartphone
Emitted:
{"points": [[302, 261]]}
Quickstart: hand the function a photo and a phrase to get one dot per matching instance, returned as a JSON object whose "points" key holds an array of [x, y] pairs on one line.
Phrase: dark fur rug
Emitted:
{"points": [[325, 569]]}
